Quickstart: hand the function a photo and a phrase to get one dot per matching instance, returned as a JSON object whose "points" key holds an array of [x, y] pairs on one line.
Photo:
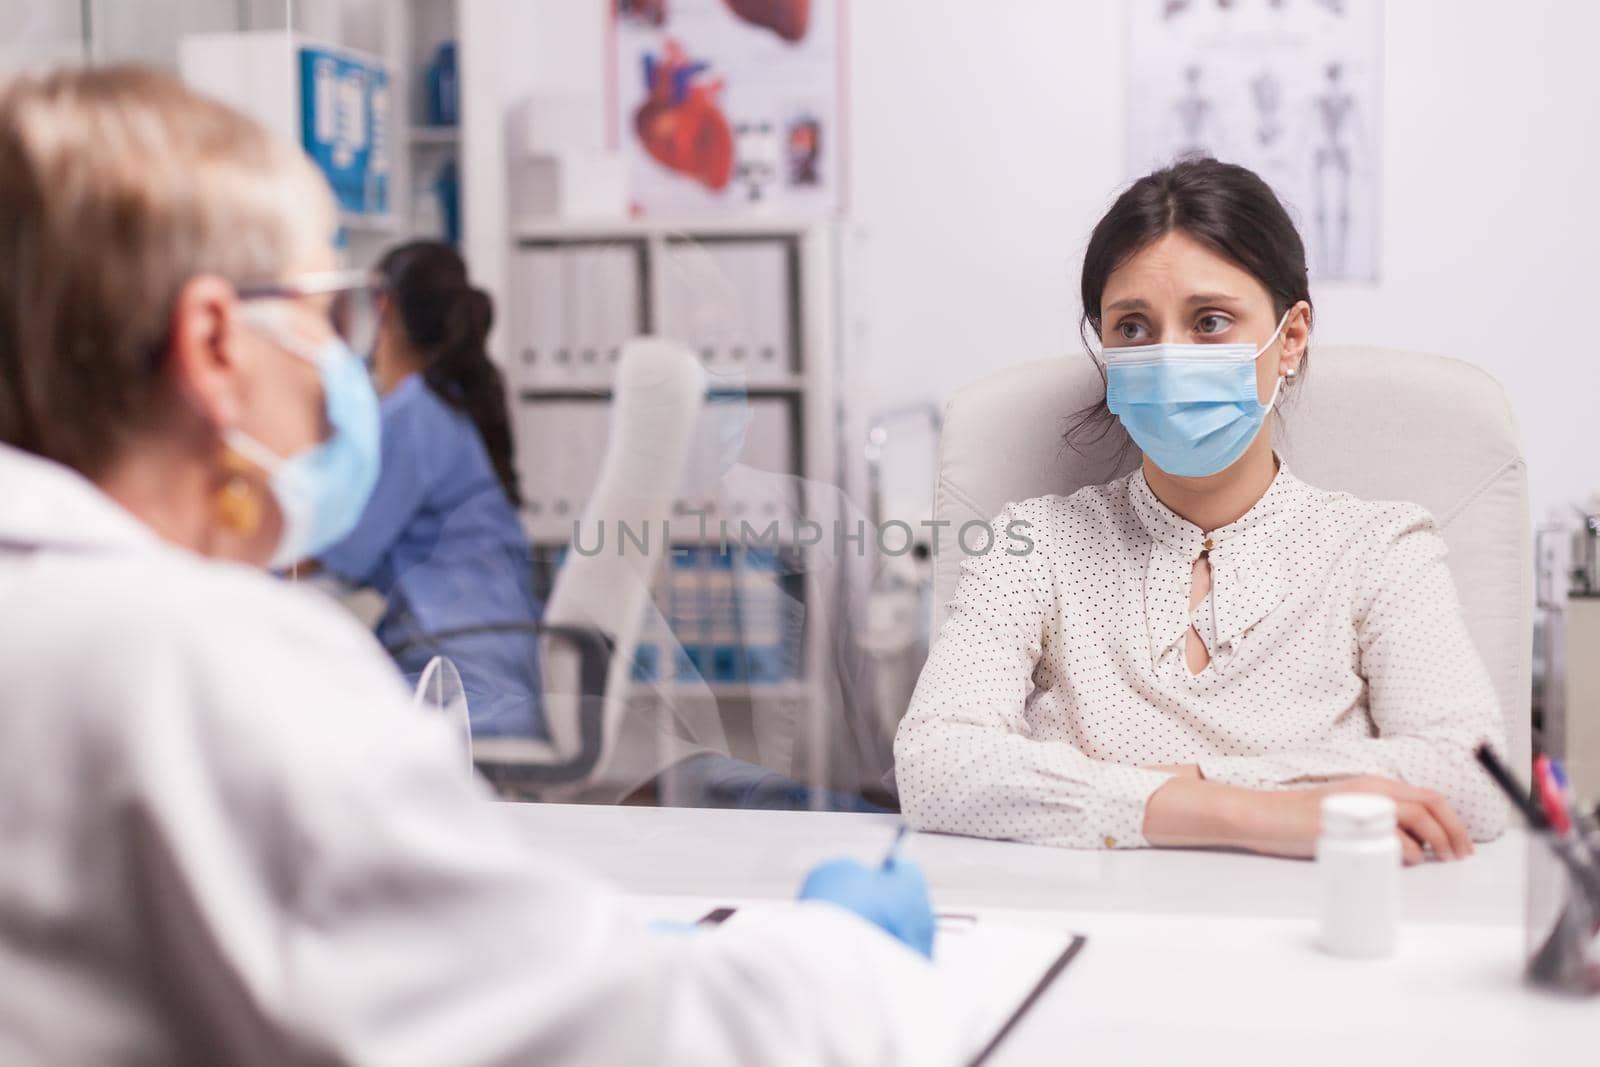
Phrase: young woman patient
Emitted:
{"points": [[1197, 653]]}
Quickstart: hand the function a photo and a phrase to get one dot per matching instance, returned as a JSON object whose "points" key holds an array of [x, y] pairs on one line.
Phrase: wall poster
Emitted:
{"points": [[1291, 89], [729, 106]]}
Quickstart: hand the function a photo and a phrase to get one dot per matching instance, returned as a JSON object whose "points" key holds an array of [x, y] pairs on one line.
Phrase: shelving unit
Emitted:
{"points": [[333, 95], [428, 23], [533, 229], [756, 300], [258, 71], [578, 292], [793, 386]]}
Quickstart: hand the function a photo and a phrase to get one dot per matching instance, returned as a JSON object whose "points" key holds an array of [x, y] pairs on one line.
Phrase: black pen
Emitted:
{"points": [[1519, 797], [1564, 847]]}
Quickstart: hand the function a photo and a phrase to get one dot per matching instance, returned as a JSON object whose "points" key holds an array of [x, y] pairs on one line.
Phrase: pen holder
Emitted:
{"points": [[1563, 924]]}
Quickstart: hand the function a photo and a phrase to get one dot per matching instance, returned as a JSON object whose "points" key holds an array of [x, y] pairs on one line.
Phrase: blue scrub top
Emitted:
{"points": [[441, 540]]}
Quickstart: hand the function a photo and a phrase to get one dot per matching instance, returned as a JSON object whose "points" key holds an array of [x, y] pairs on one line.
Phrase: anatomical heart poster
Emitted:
{"points": [[729, 107], [1291, 89]]}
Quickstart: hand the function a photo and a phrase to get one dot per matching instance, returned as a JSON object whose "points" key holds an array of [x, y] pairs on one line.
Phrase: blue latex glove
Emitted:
{"points": [[894, 896]]}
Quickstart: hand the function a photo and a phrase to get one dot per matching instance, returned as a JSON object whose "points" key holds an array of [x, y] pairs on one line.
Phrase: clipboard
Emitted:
{"points": [[1062, 960]]}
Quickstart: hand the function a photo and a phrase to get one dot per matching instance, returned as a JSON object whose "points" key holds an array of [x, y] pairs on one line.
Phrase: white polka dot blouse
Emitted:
{"points": [[1336, 644]]}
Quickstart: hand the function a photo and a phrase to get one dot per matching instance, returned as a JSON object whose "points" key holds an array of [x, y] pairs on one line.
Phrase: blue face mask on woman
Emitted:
{"points": [[322, 490], [1192, 409]]}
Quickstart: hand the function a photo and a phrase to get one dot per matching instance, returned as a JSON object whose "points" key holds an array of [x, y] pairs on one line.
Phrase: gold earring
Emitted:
{"points": [[238, 502]]}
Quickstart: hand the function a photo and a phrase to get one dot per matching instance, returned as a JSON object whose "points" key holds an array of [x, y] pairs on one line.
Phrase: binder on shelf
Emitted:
{"points": [[572, 309], [732, 301], [765, 350], [745, 475], [585, 316], [560, 446], [699, 302], [604, 290], [733, 262], [538, 316], [768, 488]]}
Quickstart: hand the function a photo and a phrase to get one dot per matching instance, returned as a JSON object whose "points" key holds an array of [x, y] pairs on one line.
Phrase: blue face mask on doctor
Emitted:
{"points": [[1191, 408], [322, 490]]}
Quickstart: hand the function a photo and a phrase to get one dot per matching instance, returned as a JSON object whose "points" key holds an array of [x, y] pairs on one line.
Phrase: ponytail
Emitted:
{"points": [[447, 321]]}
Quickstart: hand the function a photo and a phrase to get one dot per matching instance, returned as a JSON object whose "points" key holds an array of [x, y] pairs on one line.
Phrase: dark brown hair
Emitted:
{"points": [[447, 321], [1227, 208]]}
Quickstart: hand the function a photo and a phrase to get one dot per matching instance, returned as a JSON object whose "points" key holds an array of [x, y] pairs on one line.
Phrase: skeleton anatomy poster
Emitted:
{"points": [[1289, 88], [729, 106]]}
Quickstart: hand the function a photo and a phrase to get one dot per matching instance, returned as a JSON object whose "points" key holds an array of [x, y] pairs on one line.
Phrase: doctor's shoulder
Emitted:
{"points": [[215, 629]]}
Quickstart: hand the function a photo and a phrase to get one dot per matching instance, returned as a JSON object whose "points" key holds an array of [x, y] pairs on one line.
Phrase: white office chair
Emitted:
{"points": [[590, 629], [1381, 424]]}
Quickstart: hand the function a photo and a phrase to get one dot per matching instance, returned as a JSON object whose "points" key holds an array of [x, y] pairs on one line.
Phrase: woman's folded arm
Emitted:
{"points": [[965, 759]]}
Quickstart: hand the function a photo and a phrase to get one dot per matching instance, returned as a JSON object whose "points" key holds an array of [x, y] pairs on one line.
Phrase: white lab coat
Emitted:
{"points": [[226, 837]]}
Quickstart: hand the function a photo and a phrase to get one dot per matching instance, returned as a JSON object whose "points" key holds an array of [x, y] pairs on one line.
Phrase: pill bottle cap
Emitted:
{"points": [[1357, 815]]}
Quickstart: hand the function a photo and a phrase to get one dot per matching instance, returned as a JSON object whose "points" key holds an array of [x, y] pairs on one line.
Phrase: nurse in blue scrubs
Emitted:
{"points": [[440, 537]]}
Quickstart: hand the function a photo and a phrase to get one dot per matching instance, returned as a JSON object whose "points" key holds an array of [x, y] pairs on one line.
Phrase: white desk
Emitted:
{"points": [[1193, 957]]}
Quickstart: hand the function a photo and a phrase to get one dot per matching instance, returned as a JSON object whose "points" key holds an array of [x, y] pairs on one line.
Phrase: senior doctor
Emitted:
{"points": [[227, 836]]}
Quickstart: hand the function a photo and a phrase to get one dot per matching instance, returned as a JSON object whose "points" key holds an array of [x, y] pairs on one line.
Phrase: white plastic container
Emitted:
{"points": [[560, 166], [1358, 865]]}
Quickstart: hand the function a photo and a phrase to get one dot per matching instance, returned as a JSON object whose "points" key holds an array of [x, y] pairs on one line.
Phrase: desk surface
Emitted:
{"points": [[696, 851], [1195, 957]]}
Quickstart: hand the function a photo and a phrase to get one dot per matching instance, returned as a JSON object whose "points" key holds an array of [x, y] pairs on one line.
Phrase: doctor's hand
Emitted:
{"points": [[893, 897]]}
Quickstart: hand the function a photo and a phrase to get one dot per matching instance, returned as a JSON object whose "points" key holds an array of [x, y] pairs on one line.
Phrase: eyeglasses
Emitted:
{"points": [[352, 312]]}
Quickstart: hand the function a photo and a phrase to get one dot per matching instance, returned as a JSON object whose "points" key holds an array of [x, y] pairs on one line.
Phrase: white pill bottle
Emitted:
{"points": [[1358, 866]]}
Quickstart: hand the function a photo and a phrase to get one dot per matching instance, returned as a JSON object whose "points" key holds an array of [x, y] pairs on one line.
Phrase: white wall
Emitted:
{"points": [[148, 31], [987, 140], [39, 34], [1492, 143]]}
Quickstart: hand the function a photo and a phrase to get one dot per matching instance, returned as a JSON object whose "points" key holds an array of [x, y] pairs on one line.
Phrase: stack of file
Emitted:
{"points": [[560, 445], [732, 301], [570, 309]]}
